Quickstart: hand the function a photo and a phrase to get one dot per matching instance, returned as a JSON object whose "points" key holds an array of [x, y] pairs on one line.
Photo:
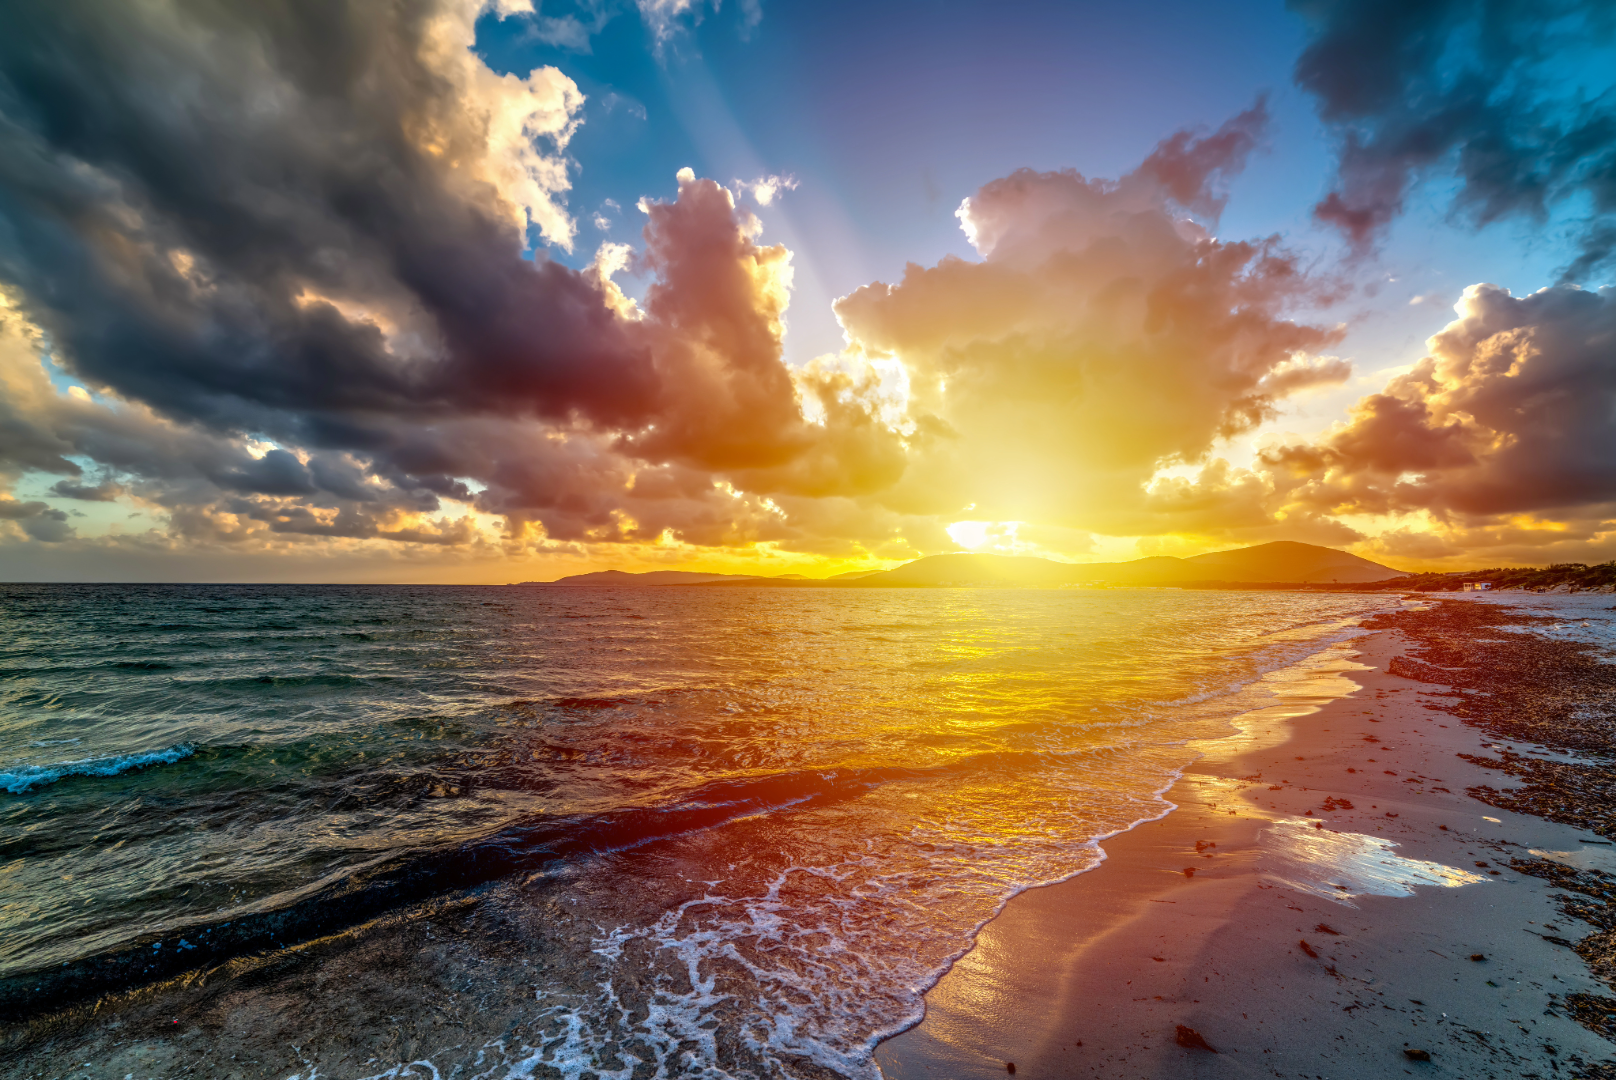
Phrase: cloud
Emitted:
{"points": [[664, 18], [714, 323], [600, 219], [1103, 333], [572, 30], [289, 337], [667, 20], [1188, 167], [37, 520], [611, 101], [765, 190], [1487, 91], [184, 244], [1511, 416], [106, 491], [221, 311], [722, 432]]}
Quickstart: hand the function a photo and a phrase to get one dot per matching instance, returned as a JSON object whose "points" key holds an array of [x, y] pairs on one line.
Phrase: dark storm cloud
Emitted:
{"points": [[217, 209], [105, 491], [287, 245], [1489, 90], [39, 521]]}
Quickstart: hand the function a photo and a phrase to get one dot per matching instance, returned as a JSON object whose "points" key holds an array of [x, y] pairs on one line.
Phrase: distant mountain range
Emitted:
{"points": [[1281, 562]]}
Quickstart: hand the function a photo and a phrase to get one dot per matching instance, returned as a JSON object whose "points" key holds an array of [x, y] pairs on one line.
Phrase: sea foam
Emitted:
{"points": [[23, 778]]}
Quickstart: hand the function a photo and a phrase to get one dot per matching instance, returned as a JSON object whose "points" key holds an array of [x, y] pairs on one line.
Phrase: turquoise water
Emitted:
{"points": [[848, 782]]}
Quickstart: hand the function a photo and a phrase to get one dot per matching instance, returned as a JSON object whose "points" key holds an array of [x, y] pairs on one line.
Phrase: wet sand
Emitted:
{"points": [[1218, 942]]}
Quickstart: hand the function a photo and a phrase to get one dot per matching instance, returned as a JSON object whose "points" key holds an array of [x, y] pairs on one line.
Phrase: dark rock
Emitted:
{"points": [[1190, 1039]]}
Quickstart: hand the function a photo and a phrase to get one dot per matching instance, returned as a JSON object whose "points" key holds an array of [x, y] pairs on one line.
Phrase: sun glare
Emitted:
{"points": [[970, 534], [991, 535]]}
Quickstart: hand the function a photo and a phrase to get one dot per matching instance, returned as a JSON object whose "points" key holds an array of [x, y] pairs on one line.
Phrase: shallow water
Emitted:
{"points": [[1340, 866], [776, 816]]}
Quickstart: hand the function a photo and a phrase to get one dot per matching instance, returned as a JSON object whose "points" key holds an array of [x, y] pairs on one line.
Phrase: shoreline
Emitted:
{"points": [[1264, 912], [1199, 918]]}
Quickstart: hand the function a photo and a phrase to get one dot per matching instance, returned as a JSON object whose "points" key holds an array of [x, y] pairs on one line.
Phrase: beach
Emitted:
{"points": [[1235, 937], [1305, 902], [702, 540]]}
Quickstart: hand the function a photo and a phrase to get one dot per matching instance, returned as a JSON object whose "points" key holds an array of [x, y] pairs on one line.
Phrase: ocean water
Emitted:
{"points": [[769, 818]]}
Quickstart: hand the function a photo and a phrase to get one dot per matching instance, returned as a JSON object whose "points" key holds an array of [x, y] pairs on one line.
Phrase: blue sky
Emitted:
{"points": [[888, 115]]}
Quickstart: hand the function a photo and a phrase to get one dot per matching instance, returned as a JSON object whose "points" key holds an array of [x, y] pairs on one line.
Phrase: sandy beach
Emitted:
{"points": [[1327, 901]]}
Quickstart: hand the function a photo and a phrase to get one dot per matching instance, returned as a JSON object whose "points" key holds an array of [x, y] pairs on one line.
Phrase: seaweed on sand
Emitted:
{"points": [[1557, 694]]}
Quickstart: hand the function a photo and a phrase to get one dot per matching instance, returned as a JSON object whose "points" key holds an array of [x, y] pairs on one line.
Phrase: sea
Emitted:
{"points": [[727, 832]]}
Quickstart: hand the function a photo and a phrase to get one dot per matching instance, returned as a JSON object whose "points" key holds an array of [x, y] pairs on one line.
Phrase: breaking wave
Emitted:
{"points": [[21, 779]]}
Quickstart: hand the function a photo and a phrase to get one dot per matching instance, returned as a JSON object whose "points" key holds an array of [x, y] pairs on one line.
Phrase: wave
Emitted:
{"points": [[414, 877], [1272, 658], [24, 778]]}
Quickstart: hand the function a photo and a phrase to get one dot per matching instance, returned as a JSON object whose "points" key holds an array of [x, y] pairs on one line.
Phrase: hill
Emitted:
{"points": [[1286, 560], [963, 569], [1279, 562]]}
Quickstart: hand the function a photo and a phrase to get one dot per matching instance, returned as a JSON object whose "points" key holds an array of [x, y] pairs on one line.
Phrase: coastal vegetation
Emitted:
{"points": [[1566, 577]]}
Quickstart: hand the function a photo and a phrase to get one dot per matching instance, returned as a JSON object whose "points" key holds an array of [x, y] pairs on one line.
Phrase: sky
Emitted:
{"points": [[459, 291]]}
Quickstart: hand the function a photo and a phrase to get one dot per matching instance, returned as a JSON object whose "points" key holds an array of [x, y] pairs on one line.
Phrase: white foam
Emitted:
{"points": [[575, 1050], [397, 1072], [21, 778]]}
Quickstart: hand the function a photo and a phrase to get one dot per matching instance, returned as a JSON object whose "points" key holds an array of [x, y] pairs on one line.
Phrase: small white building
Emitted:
{"points": [[1477, 586]]}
